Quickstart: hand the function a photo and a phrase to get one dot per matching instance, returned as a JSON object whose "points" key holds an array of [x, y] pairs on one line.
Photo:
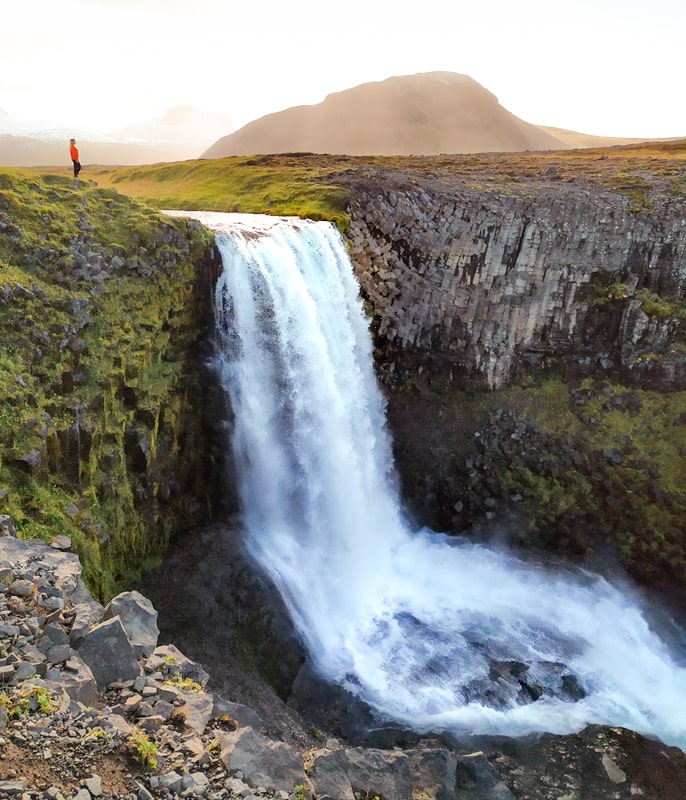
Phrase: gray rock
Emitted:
{"points": [[171, 781], [94, 785], [9, 630], [25, 670], [382, 772], [61, 542], [59, 654], [108, 652], [139, 619], [476, 779], [163, 709], [198, 709], [152, 723], [12, 788], [433, 773], [244, 716], [143, 793], [31, 462], [170, 659], [22, 588], [195, 784], [330, 777], [53, 635], [79, 682], [86, 614], [117, 723], [262, 761]]}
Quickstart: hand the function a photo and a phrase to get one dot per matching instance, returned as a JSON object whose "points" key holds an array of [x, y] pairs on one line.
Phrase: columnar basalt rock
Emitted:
{"points": [[481, 283]]}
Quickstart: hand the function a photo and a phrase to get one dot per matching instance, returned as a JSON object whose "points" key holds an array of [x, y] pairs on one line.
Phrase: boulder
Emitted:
{"points": [[108, 652], [263, 762], [360, 772], [197, 709], [78, 681], [139, 619], [476, 779]]}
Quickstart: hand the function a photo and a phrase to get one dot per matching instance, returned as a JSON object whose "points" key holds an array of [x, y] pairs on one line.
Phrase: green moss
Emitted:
{"points": [[635, 188], [283, 186], [609, 463], [656, 306], [97, 314]]}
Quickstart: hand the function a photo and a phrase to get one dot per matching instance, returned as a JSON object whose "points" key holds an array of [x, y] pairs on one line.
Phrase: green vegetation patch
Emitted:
{"points": [[278, 185], [635, 188], [97, 315], [594, 464], [659, 307]]}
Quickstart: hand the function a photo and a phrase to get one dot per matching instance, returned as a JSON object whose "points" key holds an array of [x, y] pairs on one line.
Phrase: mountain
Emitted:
{"points": [[574, 139], [182, 133], [184, 126], [424, 114]]}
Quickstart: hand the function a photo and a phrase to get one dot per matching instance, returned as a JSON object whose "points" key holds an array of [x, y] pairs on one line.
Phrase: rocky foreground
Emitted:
{"points": [[91, 706]]}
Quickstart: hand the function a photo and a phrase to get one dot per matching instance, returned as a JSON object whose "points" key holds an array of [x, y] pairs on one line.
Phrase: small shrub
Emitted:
{"points": [[35, 699], [143, 748], [184, 683]]}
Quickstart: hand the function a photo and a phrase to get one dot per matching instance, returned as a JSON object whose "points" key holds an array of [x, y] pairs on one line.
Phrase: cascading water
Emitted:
{"points": [[419, 625]]}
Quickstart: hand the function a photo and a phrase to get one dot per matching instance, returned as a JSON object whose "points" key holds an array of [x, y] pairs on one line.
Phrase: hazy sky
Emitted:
{"points": [[606, 67]]}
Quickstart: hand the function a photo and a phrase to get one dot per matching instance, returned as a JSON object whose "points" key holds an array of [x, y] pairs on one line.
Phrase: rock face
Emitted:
{"points": [[530, 339], [477, 285]]}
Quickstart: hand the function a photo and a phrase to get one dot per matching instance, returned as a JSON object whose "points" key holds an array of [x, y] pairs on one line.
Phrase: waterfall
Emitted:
{"points": [[430, 630]]}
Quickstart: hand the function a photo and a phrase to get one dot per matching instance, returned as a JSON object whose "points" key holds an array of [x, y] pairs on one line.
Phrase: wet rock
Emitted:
{"points": [[476, 779]]}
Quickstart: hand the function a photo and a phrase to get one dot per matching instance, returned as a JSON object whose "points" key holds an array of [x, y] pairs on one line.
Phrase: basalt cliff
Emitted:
{"points": [[529, 321], [485, 286]]}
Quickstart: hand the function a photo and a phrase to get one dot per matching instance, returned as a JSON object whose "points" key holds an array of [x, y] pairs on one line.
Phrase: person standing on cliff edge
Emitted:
{"points": [[74, 153]]}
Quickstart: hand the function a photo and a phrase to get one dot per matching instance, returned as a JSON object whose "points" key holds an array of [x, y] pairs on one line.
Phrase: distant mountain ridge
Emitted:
{"points": [[182, 125], [424, 114], [180, 134]]}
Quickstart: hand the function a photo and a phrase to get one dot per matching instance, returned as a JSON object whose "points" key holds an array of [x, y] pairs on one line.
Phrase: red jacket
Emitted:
{"points": [[74, 152]]}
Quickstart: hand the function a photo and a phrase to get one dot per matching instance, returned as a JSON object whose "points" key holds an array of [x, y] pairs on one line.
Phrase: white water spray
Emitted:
{"points": [[415, 623]]}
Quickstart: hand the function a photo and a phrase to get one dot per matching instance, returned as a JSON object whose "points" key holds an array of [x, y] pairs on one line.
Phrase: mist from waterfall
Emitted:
{"points": [[411, 621]]}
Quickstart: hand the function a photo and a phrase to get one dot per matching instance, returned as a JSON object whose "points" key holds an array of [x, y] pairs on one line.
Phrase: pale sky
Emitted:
{"points": [[604, 67]]}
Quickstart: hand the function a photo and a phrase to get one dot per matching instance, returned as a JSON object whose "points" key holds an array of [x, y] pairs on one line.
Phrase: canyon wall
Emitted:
{"points": [[482, 283], [530, 340]]}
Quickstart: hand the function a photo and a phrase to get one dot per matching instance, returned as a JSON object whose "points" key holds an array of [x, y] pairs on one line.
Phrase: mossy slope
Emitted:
{"points": [[592, 470], [99, 311]]}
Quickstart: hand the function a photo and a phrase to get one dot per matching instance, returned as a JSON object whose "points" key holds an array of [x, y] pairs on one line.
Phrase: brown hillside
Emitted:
{"points": [[574, 139], [425, 114]]}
